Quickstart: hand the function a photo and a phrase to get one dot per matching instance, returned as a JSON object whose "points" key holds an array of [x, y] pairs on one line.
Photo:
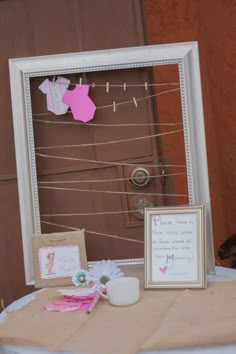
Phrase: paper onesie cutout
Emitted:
{"points": [[81, 105], [54, 92]]}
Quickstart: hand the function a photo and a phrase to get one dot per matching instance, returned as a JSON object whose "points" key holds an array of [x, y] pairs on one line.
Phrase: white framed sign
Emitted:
{"points": [[175, 247]]}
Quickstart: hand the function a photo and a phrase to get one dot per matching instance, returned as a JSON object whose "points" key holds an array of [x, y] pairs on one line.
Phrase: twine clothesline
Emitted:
{"points": [[94, 214], [108, 84], [112, 163], [109, 142], [94, 232], [110, 180], [110, 192], [115, 104], [135, 100], [106, 125]]}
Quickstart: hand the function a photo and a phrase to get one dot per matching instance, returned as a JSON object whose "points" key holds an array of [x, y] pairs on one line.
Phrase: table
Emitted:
{"points": [[222, 274]]}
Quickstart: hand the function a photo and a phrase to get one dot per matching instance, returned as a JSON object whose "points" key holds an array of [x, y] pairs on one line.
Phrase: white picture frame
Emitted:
{"points": [[175, 247], [185, 55]]}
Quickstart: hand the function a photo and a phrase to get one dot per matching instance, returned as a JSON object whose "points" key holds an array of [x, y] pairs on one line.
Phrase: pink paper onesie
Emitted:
{"points": [[54, 92], [81, 105]]}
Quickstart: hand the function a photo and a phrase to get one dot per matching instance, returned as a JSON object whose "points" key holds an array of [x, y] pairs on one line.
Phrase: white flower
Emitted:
{"points": [[103, 271]]}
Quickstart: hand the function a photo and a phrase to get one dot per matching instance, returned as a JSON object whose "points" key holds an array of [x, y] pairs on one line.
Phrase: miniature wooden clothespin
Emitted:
{"points": [[107, 87], [135, 102], [124, 86], [114, 106], [80, 81], [2, 304]]}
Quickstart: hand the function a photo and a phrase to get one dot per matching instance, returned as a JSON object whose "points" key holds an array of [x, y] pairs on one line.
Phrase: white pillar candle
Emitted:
{"points": [[123, 291]]}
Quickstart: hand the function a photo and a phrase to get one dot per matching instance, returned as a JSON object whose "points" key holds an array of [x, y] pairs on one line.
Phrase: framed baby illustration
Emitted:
{"points": [[57, 257]]}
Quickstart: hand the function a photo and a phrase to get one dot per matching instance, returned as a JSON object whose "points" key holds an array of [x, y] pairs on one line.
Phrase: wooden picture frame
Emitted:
{"points": [[175, 247], [57, 257], [22, 70]]}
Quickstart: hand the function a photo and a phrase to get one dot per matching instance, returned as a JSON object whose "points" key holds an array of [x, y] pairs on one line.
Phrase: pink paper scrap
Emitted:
{"points": [[71, 303]]}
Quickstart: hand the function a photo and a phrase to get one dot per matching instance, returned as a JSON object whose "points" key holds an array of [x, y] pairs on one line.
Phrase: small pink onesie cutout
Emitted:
{"points": [[81, 105]]}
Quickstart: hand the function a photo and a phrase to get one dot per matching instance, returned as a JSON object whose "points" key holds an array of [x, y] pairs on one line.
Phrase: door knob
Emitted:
{"points": [[140, 177]]}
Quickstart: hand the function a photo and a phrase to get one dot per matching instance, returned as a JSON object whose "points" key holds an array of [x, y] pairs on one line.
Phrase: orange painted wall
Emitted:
{"points": [[213, 25]]}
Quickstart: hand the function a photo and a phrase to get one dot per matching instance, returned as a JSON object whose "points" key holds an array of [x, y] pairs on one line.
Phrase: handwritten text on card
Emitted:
{"points": [[174, 247]]}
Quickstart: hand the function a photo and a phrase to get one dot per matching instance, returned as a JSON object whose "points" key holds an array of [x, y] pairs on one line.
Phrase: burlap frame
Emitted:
{"points": [[71, 238]]}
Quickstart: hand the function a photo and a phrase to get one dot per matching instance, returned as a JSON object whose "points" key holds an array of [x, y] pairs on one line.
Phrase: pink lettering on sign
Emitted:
{"points": [[81, 105], [156, 219], [163, 269]]}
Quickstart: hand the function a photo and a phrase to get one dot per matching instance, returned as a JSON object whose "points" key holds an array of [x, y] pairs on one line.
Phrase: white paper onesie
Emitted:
{"points": [[54, 92]]}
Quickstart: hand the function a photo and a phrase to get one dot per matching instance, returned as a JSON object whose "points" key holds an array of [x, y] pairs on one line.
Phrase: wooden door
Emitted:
{"points": [[30, 28], [90, 185]]}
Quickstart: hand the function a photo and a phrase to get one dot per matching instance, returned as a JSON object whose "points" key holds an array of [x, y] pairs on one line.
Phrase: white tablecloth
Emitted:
{"points": [[222, 274]]}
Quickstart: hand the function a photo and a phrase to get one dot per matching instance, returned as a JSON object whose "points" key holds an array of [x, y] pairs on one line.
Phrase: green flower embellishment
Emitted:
{"points": [[81, 278], [104, 279]]}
